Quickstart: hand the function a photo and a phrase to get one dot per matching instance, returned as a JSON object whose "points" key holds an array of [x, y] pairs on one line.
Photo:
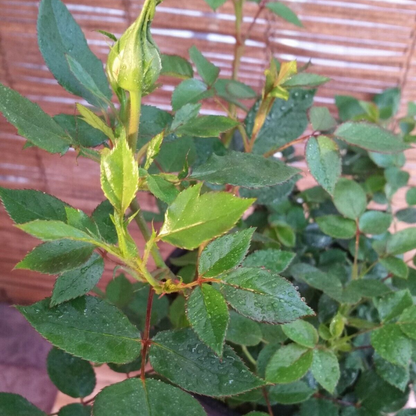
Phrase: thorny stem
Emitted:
{"points": [[146, 334]]}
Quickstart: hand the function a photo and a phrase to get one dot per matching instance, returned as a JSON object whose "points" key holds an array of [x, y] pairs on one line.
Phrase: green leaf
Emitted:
{"points": [[284, 12], [305, 80], [368, 288], [193, 218], [57, 256], [119, 175], [119, 291], [276, 261], [395, 266], [207, 126], [208, 71], [214, 4], [291, 393], [388, 102], [176, 66], [75, 409], [301, 332], [153, 149], [153, 121], [15, 405], [175, 154], [86, 327], [348, 107], [349, 198], [256, 414], [286, 121], [288, 364], [317, 279], [376, 395], [325, 369], [396, 178], [79, 281], [73, 376], [177, 313], [162, 189], [87, 81], [94, 121], [184, 115], [78, 219], [127, 368], [395, 375], [190, 91], [81, 133], [24, 205], [224, 253], [402, 241], [32, 122], [59, 37], [321, 119], [263, 296], [319, 407], [55, 230], [229, 88], [324, 161], [407, 215], [407, 412], [149, 399], [375, 222], [272, 194], [407, 322], [337, 226], [243, 169], [411, 196], [392, 345], [102, 218], [243, 331], [206, 373], [208, 315], [370, 137]]}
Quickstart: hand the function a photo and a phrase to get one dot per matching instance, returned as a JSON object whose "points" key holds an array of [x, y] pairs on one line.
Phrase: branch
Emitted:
{"points": [[146, 338], [141, 222]]}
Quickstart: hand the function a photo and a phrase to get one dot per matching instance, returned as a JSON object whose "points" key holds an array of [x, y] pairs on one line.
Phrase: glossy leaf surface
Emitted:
{"points": [[153, 398], [207, 313], [203, 371], [243, 169], [324, 161], [224, 253], [193, 218], [263, 296], [73, 376], [79, 281], [32, 122], [86, 327]]}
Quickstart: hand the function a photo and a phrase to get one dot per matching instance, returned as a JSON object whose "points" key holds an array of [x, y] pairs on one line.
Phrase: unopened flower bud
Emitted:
{"points": [[134, 62]]}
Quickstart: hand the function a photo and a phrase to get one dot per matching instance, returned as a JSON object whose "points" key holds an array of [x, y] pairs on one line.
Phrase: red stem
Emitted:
{"points": [[266, 398], [146, 339]]}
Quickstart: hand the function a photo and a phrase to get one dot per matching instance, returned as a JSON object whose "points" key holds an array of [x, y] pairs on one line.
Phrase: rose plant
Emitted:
{"points": [[278, 300]]}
